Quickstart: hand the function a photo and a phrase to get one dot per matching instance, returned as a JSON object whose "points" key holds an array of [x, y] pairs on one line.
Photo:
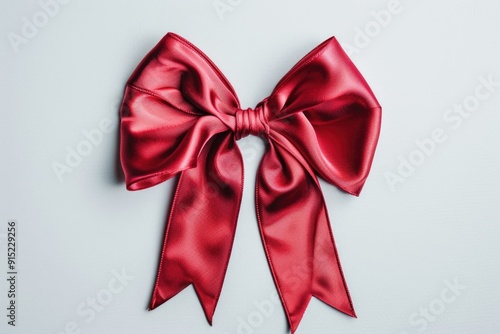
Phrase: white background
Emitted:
{"points": [[400, 246]]}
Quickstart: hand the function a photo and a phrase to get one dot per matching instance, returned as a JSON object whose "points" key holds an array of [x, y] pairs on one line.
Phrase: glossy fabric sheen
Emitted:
{"points": [[180, 116]]}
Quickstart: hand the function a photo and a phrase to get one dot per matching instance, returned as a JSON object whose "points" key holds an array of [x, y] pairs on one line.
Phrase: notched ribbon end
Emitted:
{"points": [[350, 312], [208, 304], [154, 304]]}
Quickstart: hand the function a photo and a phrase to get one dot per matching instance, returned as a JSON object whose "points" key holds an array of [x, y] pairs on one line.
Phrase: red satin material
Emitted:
{"points": [[181, 116]]}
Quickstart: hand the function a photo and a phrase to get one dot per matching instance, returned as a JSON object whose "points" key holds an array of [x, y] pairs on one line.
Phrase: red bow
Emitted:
{"points": [[181, 115]]}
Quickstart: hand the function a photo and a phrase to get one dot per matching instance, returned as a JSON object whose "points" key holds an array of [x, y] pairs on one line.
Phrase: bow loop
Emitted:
{"points": [[327, 113], [174, 102]]}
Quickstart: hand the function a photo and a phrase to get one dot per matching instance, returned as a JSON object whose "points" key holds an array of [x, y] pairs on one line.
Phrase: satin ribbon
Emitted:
{"points": [[181, 116]]}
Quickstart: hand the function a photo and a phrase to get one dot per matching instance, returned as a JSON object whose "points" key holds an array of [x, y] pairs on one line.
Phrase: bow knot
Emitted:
{"points": [[251, 122]]}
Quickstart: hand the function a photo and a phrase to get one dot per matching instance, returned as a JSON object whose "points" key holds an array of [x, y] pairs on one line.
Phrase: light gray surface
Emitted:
{"points": [[400, 248]]}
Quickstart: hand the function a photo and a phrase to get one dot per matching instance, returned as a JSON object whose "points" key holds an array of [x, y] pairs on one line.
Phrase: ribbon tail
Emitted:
{"points": [[328, 283], [201, 226], [297, 237]]}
